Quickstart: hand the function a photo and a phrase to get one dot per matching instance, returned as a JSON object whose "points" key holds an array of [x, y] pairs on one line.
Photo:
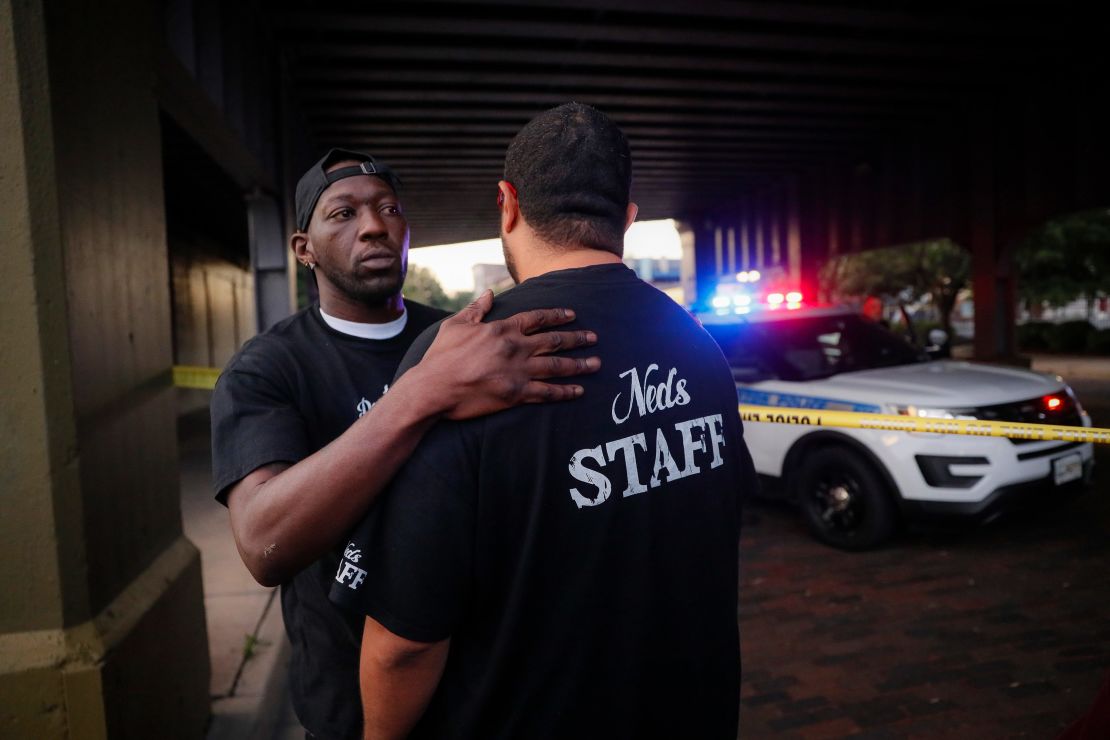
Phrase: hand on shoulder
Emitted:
{"points": [[487, 367]]}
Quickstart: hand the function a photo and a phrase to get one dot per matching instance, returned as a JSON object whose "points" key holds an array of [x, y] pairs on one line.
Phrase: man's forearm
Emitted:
{"points": [[285, 517], [287, 521], [397, 678]]}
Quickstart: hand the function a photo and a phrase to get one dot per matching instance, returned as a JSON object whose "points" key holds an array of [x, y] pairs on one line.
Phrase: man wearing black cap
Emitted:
{"points": [[568, 570], [304, 434]]}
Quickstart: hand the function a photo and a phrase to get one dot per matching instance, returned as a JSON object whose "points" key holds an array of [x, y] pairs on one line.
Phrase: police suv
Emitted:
{"points": [[854, 486]]}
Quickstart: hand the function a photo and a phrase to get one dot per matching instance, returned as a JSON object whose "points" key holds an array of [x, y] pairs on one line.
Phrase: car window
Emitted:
{"points": [[746, 350], [869, 345], [810, 347]]}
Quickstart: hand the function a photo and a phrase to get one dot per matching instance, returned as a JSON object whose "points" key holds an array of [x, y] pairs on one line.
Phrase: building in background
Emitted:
{"points": [[494, 277]]}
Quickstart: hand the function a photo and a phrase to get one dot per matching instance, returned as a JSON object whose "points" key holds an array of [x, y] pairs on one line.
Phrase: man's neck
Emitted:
{"points": [[542, 261], [344, 307]]}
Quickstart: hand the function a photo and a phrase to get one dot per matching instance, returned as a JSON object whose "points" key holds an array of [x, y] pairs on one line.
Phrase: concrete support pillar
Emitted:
{"points": [[835, 207], [760, 232], [812, 237], [687, 269], [995, 297], [776, 219], [993, 281], [718, 239], [730, 249], [855, 202], [700, 251], [744, 240], [102, 628], [269, 260], [793, 240]]}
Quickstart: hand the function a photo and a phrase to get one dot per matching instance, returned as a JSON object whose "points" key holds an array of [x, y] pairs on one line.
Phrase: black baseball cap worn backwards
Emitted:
{"points": [[317, 179]]}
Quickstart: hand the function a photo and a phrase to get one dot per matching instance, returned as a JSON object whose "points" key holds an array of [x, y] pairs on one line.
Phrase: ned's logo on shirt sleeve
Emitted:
{"points": [[649, 459], [349, 573]]}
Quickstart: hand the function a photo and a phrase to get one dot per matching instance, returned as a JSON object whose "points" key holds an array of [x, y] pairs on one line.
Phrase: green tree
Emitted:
{"points": [[421, 285], [1065, 259], [934, 270]]}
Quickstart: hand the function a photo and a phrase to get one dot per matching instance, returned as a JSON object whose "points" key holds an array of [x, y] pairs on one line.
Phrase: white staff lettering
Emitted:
{"points": [[663, 461], [691, 434], [349, 571], [716, 425], [590, 476], [628, 445], [693, 439]]}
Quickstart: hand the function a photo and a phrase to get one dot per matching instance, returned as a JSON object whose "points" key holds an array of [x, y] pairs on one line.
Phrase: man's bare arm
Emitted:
{"points": [[397, 678], [286, 516]]}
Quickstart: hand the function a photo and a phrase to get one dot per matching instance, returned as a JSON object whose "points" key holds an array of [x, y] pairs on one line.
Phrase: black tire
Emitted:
{"points": [[843, 499]]}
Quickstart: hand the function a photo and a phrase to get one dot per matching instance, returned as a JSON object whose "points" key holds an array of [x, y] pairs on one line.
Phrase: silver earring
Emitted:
{"points": [[310, 265]]}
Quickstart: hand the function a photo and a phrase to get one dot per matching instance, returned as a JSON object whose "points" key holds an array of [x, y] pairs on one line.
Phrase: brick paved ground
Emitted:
{"points": [[997, 632]]}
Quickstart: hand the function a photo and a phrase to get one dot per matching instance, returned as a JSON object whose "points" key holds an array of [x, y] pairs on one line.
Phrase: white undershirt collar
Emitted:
{"points": [[387, 330]]}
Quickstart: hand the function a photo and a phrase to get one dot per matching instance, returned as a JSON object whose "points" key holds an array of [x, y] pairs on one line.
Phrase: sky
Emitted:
{"points": [[451, 263]]}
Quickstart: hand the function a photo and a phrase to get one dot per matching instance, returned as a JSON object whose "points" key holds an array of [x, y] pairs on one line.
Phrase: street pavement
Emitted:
{"points": [[998, 631]]}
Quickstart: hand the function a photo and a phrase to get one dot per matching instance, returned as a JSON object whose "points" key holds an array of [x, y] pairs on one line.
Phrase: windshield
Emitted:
{"points": [[810, 347]]}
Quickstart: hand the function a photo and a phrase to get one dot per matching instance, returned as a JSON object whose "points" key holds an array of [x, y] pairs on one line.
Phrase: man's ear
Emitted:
{"points": [[630, 215], [302, 248], [510, 207]]}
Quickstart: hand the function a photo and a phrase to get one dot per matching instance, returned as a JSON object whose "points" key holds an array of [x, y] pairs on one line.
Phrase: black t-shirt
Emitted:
{"points": [[582, 556], [287, 393]]}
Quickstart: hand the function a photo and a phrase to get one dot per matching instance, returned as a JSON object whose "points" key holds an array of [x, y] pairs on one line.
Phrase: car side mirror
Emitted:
{"points": [[938, 344]]}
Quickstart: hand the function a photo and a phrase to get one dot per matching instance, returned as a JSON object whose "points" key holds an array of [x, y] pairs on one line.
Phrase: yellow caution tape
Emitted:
{"points": [[895, 423], [195, 376], [204, 378]]}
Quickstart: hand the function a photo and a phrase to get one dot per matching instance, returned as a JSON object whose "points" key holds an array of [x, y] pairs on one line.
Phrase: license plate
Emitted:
{"points": [[1067, 468]]}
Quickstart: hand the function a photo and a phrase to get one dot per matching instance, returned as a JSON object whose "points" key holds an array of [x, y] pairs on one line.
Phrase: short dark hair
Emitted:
{"points": [[572, 170]]}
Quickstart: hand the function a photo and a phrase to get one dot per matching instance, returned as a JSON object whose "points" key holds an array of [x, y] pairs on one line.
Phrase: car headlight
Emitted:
{"points": [[935, 413]]}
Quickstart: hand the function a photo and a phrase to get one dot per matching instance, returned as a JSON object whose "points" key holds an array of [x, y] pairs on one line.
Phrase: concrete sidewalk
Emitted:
{"points": [[1073, 367], [246, 638], [1069, 367]]}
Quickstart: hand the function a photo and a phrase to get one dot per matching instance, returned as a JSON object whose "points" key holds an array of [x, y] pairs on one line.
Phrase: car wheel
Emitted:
{"points": [[843, 499]]}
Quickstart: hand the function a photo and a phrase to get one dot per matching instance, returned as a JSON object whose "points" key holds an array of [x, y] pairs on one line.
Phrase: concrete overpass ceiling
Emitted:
{"points": [[720, 99]]}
